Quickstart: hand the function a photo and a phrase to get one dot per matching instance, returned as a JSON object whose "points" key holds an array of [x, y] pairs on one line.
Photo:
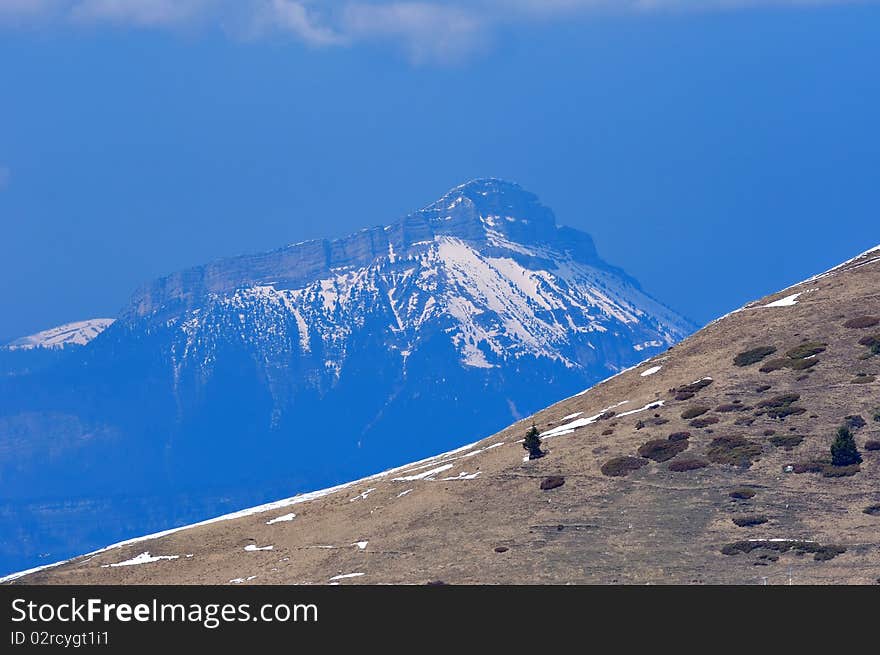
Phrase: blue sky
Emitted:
{"points": [[716, 150]]}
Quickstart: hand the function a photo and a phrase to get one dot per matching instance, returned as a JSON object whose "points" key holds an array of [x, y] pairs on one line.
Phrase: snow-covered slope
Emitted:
{"points": [[79, 333]]}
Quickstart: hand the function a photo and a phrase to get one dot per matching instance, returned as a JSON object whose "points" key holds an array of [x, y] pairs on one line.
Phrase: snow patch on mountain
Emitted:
{"points": [[70, 334]]}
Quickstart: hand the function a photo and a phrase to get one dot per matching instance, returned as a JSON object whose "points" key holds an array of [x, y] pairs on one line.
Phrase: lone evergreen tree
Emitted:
{"points": [[532, 443], [844, 451]]}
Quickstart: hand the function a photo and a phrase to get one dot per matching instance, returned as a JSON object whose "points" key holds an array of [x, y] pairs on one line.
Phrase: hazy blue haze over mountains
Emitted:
{"points": [[255, 377]]}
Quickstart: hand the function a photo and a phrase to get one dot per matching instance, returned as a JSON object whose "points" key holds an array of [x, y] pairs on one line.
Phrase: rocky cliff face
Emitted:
{"points": [[263, 375]]}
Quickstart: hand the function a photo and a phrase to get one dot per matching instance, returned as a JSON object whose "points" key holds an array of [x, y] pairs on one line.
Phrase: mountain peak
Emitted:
{"points": [[490, 207], [489, 213], [489, 190]]}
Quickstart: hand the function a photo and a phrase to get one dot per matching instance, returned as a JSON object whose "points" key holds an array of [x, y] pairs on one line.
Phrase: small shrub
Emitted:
{"points": [[679, 436], [781, 401], [806, 350], [799, 358], [780, 406], [748, 521], [872, 510], [684, 395], [744, 420], [831, 471], [704, 421], [863, 378], [774, 365], [753, 356], [810, 466], [734, 450], [693, 412], [742, 493], [877, 415], [787, 441], [862, 322], [761, 388], [731, 407], [552, 482], [682, 464], [825, 553], [825, 466], [802, 364], [693, 387], [820, 553], [501, 549], [872, 444], [769, 433], [662, 450], [622, 466], [844, 451], [605, 433], [855, 421], [870, 341]]}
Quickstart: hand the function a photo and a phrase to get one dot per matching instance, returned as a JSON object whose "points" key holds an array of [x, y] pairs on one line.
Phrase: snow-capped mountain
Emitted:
{"points": [[262, 375], [485, 265], [70, 334]]}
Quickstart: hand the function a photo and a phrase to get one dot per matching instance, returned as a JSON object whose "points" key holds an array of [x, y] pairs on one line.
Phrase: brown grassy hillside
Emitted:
{"points": [[663, 480]]}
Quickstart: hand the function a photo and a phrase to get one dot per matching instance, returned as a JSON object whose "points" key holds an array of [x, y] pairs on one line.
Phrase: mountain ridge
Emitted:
{"points": [[461, 212]]}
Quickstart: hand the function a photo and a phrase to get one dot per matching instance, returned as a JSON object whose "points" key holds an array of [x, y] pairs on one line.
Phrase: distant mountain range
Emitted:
{"points": [[248, 378]]}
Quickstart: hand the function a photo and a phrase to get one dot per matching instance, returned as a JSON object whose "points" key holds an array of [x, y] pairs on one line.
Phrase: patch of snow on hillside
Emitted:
{"points": [[788, 301], [343, 576], [650, 371], [363, 495], [568, 428], [657, 404], [143, 558], [282, 519], [252, 548], [464, 475], [241, 580], [424, 475]]}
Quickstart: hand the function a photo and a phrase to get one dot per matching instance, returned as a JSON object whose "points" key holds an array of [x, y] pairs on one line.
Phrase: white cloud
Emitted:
{"points": [[301, 21], [425, 29]]}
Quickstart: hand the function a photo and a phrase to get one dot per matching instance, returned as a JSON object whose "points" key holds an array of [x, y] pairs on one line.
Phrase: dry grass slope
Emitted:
{"points": [[693, 501]]}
